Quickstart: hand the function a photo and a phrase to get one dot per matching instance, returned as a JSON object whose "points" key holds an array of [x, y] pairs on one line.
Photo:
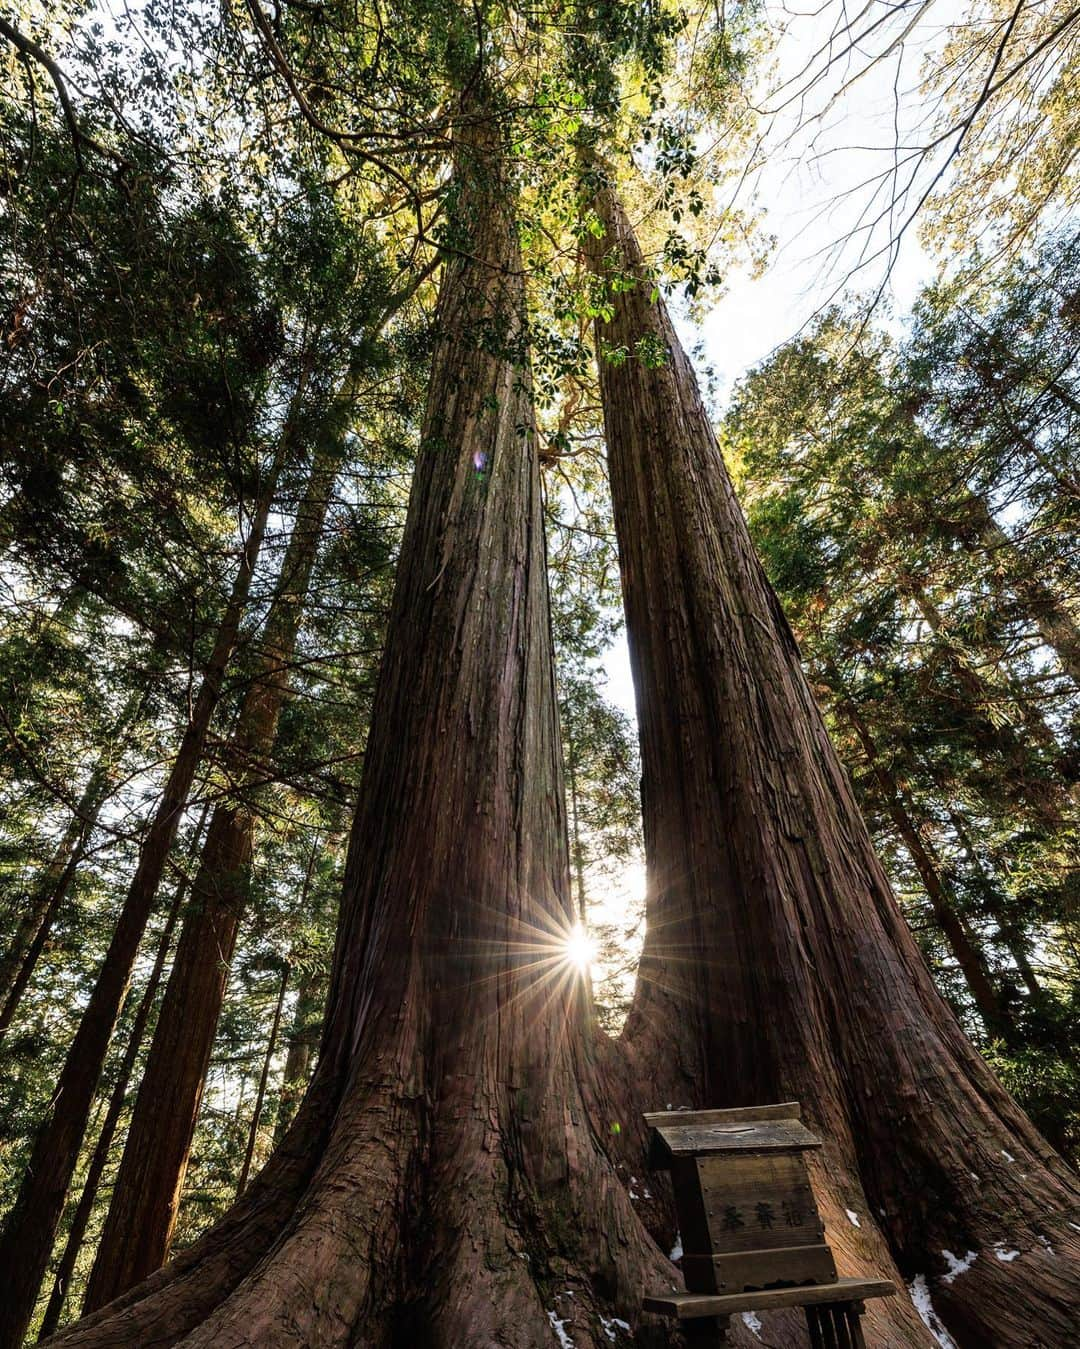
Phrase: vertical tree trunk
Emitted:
{"points": [[577, 851], [776, 953], [1053, 621], [146, 1196], [42, 904], [85, 1207], [51, 889], [460, 1190], [1046, 799], [304, 1031], [302, 1039], [268, 1058], [970, 959], [31, 1225], [1008, 931]]}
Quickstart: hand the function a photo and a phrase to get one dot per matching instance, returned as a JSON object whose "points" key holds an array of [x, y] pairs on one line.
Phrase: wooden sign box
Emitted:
{"points": [[747, 1214]]}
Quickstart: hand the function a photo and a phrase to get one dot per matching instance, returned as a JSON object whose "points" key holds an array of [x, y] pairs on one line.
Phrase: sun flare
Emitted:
{"points": [[580, 948]]}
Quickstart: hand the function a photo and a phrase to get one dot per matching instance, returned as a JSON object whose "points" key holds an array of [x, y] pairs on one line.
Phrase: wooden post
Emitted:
{"points": [[707, 1332], [836, 1326], [855, 1312]]}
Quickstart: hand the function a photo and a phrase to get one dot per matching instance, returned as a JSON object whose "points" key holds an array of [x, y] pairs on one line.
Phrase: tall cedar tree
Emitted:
{"points": [[764, 892], [442, 1182], [31, 1226], [146, 1194]]}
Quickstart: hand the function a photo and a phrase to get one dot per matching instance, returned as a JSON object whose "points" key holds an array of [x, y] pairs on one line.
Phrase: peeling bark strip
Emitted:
{"points": [[774, 944], [456, 1191]]}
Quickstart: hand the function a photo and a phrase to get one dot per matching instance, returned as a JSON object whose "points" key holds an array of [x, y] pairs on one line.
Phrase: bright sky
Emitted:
{"points": [[812, 196]]}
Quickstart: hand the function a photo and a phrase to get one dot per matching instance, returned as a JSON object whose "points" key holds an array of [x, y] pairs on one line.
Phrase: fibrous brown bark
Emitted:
{"points": [[146, 1195], [776, 954], [441, 1183], [31, 1225]]}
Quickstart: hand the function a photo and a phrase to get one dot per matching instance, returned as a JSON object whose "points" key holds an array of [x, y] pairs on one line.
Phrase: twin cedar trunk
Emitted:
{"points": [[442, 1182], [139, 1226], [776, 956]]}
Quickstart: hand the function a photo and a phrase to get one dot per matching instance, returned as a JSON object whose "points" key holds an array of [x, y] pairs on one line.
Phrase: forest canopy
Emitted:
{"points": [[365, 437]]}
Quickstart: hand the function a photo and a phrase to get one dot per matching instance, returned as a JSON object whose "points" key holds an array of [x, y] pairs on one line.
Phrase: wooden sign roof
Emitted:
{"points": [[700, 1133]]}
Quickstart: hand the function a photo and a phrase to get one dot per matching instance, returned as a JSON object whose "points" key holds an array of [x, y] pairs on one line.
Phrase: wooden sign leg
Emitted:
{"points": [[822, 1328], [840, 1325], [706, 1332], [854, 1315], [825, 1328]]}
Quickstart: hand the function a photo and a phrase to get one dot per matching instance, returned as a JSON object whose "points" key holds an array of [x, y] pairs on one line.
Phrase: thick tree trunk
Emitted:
{"points": [[31, 1226], [577, 851], [85, 1207], [460, 1196], [776, 955], [146, 1196]]}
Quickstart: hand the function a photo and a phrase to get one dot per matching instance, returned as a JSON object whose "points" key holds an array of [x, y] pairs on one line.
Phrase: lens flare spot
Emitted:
{"points": [[580, 949]]}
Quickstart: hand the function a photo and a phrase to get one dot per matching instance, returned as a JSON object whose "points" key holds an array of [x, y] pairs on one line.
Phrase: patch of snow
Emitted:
{"points": [[1045, 1244], [613, 1326], [852, 1217], [1075, 1227], [957, 1266], [677, 1250], [974, 1177], [752, 1323], [920, 1296], [646, 1193], [559, 1327], [1005, 1254], [1008, 1156]]}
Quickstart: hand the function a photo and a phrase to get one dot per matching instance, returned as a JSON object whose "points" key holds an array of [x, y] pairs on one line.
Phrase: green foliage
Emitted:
{"points": [[913, 505]]}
